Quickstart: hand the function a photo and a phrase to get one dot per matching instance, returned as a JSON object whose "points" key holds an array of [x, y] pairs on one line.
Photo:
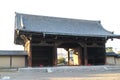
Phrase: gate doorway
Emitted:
{"points": [[69, 54]]}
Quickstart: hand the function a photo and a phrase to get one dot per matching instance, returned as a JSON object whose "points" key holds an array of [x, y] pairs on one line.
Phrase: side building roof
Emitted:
{"points": [[14, 53], [60, 26], [112, 54]]}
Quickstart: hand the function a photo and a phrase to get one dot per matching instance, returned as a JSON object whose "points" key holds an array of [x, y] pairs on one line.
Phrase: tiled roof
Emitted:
{"points": [[60, 26]]}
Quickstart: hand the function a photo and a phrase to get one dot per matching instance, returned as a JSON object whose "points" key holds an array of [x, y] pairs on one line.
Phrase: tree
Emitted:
{"points": [[109, 49], [61, 60]]}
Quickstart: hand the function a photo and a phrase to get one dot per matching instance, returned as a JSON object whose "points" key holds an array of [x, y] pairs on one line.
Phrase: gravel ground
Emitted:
{"points": [[62, 73]]}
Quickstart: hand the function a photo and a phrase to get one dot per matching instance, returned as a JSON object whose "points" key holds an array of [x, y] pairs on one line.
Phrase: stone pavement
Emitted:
{"points": [[62, 73]]}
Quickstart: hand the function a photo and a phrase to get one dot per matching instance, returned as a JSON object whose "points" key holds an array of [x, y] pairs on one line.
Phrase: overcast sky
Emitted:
{"points": [[107, 11]]}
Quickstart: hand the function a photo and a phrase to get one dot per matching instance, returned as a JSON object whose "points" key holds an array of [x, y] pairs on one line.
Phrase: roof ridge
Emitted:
{"points": [[57, 17]]}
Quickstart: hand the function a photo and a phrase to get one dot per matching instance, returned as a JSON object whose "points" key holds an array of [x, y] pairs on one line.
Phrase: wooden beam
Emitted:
{"points": [[42, 44], [23, 37]]}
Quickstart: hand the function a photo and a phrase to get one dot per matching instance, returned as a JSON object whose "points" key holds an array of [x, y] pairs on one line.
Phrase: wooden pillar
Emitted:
{"points": [[85, 56], [29, 51], [79, 56], [55, 55], [10, 61], [104, 54], [68, 56]]}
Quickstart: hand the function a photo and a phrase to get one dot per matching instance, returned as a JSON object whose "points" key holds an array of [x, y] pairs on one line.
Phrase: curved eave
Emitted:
{"points": [[18, 40], [114, 36]]}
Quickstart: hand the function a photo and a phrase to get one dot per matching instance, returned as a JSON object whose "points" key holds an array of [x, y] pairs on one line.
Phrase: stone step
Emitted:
{"points": [[65, 69], [113, 67]]}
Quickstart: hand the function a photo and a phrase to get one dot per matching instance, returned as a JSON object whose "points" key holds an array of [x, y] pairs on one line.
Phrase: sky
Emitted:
{"points": [[107, 11]]}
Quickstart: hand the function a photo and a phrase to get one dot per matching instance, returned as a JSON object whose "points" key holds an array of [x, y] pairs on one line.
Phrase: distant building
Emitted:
{"points": [[13, 59], [42, 35], [118, 52]]}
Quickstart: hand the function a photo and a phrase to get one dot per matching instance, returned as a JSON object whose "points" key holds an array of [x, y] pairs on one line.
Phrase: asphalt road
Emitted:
{"points": [[62, 73]]}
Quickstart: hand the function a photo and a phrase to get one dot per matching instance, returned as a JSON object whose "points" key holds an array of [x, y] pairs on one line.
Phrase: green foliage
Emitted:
{"points": [[109, 49], [61, 60]]}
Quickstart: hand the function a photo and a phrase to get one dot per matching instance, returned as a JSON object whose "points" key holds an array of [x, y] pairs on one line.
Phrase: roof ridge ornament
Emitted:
{"points": [[112, 32], [21, 22], [99, 22]]}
